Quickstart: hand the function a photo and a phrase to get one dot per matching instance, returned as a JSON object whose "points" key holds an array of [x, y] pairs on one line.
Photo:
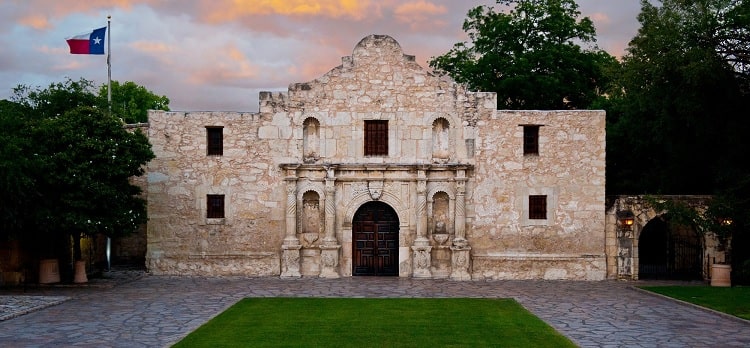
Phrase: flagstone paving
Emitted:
{"points": [[157, 311]]}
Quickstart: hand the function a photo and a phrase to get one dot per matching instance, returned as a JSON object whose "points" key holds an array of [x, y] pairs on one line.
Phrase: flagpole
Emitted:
{"points": [[109, 65], [109, 104]]}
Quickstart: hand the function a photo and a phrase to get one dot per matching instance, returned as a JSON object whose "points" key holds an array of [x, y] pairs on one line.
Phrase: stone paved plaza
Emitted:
{"points": [[157, 311]]}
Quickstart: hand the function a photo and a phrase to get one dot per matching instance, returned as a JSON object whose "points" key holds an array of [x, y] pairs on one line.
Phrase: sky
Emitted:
{"points": [[217, 55]]}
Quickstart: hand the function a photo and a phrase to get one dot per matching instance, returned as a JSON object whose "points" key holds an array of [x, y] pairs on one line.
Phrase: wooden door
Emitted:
{"points": [[375, 240]]}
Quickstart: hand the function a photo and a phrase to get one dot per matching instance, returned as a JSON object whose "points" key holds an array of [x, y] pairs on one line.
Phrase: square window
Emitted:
{"points": [[538, 207], [531, 140], [214, 141], [215, 206], [376, 138]]}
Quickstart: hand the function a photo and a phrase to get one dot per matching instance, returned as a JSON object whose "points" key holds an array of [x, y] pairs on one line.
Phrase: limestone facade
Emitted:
{"points": [[379, 143]]}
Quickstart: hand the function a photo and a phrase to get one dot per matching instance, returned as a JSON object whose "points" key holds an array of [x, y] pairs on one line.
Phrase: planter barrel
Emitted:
{"points": [[80, 272], [49, 271], [720, 275]]}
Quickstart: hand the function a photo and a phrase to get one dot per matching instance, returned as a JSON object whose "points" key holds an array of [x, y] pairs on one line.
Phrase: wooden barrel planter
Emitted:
{"points": [[80, 272], [49, 271], [720, 275]]}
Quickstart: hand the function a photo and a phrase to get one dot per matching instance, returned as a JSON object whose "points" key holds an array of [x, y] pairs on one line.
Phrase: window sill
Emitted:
{"points": [[215, 221]]}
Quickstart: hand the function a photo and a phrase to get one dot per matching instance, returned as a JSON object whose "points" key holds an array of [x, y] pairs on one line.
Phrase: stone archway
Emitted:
{"points": [[375, 229], [669, 252]]}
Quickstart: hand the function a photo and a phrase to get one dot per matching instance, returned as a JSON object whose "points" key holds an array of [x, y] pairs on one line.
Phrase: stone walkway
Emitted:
{"points": [[157, 311]]}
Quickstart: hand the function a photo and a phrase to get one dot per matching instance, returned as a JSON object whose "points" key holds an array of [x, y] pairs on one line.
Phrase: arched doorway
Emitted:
{"points": [[375, 240], [669, 252]]}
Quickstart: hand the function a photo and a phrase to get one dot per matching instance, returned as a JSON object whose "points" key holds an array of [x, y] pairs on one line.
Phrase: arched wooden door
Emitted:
{"points": [[375, 240]]}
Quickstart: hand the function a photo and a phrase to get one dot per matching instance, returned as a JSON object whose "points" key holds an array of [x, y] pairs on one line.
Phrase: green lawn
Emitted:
{"points": [[360, 322], [734, 300]]}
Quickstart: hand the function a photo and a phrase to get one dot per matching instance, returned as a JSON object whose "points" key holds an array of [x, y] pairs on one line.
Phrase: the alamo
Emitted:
{"points": [[381, 168]]}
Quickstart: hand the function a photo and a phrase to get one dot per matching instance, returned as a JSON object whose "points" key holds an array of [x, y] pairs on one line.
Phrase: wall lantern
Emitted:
{"points": [[626, 218]]}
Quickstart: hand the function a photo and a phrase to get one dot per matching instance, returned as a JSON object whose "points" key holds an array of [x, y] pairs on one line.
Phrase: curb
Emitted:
{"points": [[54, 301], [705, 309]]}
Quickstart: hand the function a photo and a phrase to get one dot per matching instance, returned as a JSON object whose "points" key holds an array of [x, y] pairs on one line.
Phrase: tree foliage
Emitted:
{"points": [[679, 119], [530, 55], [68, 164], [131, 101]]}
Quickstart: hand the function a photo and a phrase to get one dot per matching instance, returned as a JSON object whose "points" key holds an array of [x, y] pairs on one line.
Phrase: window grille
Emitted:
{"points": [[376, 138], [530, 140], [215, 141], [215, 206], [538, 207]]}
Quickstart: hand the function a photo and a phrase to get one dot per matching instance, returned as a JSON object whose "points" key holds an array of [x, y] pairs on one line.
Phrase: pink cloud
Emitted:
{"points": [[421, 15], [35, 21], [151, 47], [223, 11], [37, 14]]}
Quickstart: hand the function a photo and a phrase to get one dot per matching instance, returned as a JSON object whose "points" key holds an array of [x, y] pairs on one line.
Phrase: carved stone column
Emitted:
{"points": [[421, 248], [421, 209], [460, 217], [461, 251], [290, 260], [329, 248]]}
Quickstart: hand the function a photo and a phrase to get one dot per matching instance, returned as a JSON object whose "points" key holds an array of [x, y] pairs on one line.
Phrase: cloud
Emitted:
{"points": [[151, 47], [38, 14], [421, 14], [223, 11], [38, 22]]}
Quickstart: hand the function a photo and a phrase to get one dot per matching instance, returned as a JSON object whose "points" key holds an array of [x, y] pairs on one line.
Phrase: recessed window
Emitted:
{"points": [[215, 141], [530, 140], [215, 206], [537, 207], [376, 138]]}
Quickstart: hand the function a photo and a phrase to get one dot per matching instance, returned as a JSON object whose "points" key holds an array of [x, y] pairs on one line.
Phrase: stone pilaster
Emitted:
{"points": [[329, 248], [422, 261], [290, 260], [421, 220], [460, 262], [460, 250], [460, 217], [421, 248], [329, 261]]}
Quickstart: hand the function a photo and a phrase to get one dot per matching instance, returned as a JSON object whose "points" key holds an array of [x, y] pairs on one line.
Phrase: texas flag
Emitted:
{"points": [[88, 43]]}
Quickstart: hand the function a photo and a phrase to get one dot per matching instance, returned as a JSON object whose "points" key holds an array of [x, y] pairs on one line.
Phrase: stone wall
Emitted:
{"points": [[181, 239], [569, 170], [295, 174]]}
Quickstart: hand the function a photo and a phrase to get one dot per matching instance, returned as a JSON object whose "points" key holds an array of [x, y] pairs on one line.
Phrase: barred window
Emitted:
{"points": [[214, 141], [530, 140], [538, 207], [376, 138], [215, 206]]}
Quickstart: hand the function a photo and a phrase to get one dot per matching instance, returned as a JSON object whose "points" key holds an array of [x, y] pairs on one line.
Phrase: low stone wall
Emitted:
{"points": [[256, 264], [538, 266]]}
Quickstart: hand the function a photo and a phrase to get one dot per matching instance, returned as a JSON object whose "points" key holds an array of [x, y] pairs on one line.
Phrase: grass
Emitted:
{"points": [[360, 322], [730, 300]]}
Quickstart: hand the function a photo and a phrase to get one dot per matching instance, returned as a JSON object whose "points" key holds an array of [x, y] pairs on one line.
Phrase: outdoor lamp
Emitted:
{"points": [[626, 218]]}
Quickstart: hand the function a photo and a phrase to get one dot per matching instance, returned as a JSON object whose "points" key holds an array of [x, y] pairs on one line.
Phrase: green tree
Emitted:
{"points": [[680, 118], [131, 101], [677, 122], [18, 164], [531, 55], [89, 160], [56, 99], [66, 170]]}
